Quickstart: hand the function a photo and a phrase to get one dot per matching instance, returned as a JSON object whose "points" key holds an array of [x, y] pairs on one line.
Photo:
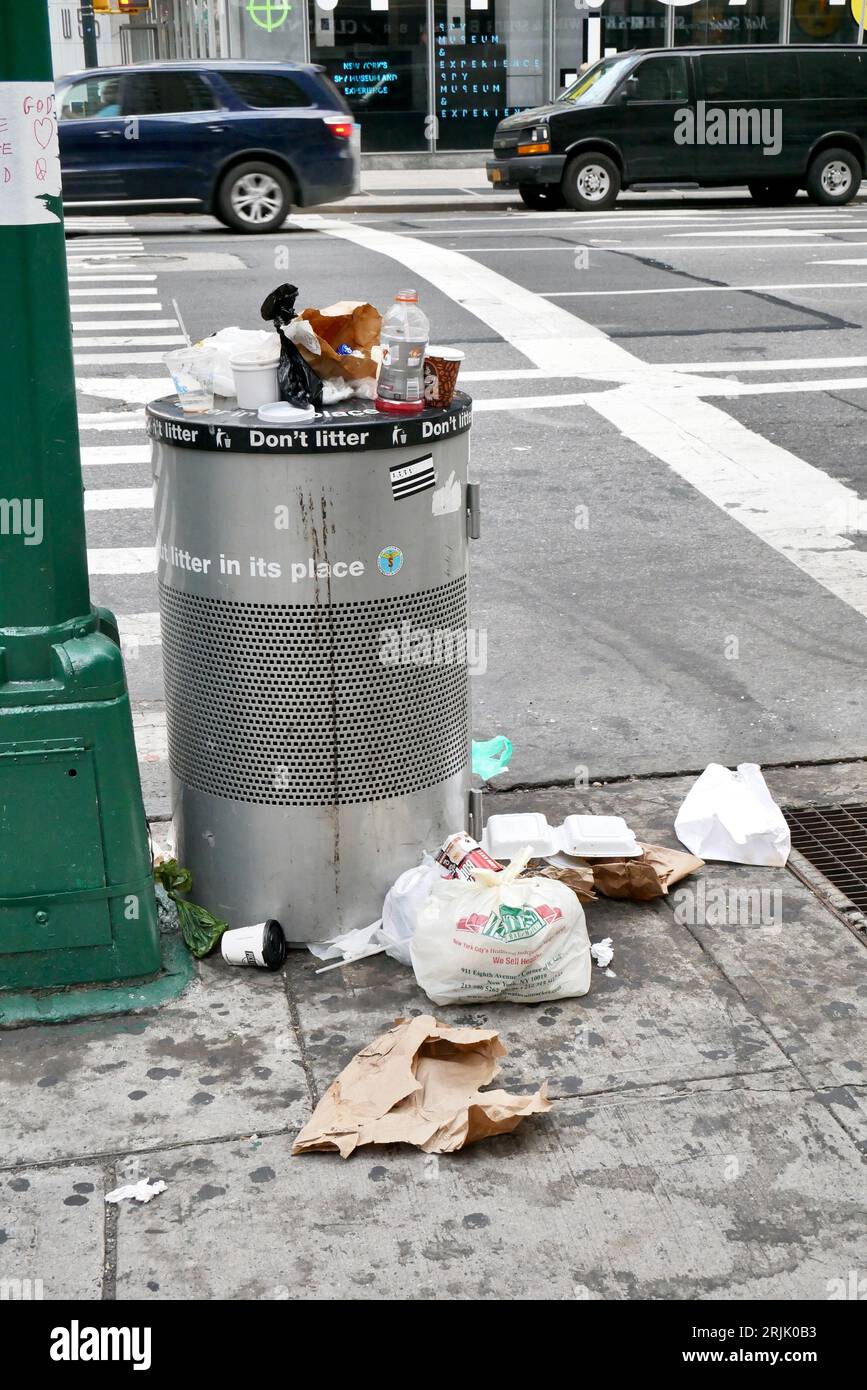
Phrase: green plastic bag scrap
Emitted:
{"points": [[491, 757], [199, 928]]}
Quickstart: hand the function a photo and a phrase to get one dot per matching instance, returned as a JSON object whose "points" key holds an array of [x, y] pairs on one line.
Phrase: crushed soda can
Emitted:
{"points": [[461, 855]]}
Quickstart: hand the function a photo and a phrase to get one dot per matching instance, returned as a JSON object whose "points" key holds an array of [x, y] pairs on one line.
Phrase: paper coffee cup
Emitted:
{"points": [[255, 379], [441, 367], [263, 944]]}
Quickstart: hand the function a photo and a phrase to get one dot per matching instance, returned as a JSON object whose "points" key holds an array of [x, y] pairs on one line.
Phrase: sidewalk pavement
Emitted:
{"points": [[442, 190], [707, 1138]]}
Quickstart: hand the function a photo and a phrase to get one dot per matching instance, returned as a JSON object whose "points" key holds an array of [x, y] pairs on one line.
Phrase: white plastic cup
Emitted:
{"points": [[255, 379], [263, 944], [192, 370]]}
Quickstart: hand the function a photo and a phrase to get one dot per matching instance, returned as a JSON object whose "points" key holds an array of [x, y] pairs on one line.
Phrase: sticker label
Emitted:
{"points": [[389, 560], [29, 154], [416, 476]]}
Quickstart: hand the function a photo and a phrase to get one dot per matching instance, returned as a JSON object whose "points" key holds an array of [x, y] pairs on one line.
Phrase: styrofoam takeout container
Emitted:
{"points": [[579, 837]]}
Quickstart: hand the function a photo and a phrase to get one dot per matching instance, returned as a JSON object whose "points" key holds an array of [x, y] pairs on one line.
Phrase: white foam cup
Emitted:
{"points": [[255, 379], [262, 944]]}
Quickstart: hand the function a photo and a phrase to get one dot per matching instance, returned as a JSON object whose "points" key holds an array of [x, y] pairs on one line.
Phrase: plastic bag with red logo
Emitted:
{"points": [[500, 937]]}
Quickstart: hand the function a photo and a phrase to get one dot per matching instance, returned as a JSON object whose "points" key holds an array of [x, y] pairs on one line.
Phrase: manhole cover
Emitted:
{"points": [[834, 840]]}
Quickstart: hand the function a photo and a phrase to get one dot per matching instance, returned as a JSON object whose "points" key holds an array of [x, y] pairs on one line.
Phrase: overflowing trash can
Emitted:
{"points": [[313, 598]]}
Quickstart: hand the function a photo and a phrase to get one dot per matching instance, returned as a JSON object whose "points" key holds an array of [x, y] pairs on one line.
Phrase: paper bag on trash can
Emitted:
{"points": [[732, 816], [346, 325], [418, 1084]]}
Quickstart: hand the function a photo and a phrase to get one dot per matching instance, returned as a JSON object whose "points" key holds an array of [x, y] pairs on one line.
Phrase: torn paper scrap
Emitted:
{"points": [[141, 1191], [418, 1084], [602, 952]]}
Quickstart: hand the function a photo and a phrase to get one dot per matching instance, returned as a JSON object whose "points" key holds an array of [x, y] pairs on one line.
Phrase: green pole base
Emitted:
{"points": [[21, 1007], [77, 902]]}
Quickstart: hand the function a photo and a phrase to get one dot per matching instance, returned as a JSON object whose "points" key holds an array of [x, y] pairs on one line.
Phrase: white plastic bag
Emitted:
{"points": [[501, 937], [230, 341], [401, 907], [732, 816]]}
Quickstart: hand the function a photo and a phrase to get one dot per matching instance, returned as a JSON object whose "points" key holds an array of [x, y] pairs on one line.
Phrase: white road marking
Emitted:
{"points": [[795, 508], [626, 248], [710, 289], [114, 290], [149, 306], [155, 339], [96, 326], [112, 420], [110, 359], [780, 388], [764, 231], [105, 279], [122, 560], [119, 499], [857, 261], [780, 364], [135, 389], [102, 455]]}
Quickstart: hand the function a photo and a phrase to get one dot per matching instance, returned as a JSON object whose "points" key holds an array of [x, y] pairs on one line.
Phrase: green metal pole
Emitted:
{"points": [[76, 898]]}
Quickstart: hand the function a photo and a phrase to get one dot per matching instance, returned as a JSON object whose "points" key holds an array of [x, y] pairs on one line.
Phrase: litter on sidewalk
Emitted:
{"points": [[732, 816], [142, 1191], [418, 1084]]}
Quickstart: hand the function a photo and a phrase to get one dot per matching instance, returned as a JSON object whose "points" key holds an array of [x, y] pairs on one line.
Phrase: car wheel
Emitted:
{"points": [[541, 197], [591, 182], [834, 177], [254, 197], [774, 192]]}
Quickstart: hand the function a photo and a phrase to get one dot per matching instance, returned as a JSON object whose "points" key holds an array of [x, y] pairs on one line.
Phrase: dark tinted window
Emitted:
{"points": [[662, 79], [772, 76], [833, 74], [266, 89], [166, 94], [92, 96], [725, 76]]}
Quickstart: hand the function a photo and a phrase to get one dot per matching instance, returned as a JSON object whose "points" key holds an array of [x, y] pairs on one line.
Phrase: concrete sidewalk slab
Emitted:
{"points": [[52, 1230], [736, 1194]]}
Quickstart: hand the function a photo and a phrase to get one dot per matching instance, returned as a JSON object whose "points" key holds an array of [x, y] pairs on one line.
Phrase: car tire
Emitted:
{"points": [[591, 183], [774, 193], [254, 197], [834, 176], [541, 197]]}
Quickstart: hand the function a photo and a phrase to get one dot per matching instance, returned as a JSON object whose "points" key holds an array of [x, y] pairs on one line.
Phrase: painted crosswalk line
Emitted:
{"points": [[122, 560], [104, 455], [118, 499]]}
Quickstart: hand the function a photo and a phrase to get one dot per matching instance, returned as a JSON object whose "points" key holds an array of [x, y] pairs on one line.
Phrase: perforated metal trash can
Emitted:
{"points": [[313, 597]]}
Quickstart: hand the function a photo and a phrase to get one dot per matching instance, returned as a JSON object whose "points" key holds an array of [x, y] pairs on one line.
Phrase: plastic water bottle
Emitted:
{"points": [[404, 339]]}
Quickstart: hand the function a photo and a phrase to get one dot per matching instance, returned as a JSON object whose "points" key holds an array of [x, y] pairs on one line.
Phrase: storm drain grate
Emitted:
{"points": [[834, 840]]}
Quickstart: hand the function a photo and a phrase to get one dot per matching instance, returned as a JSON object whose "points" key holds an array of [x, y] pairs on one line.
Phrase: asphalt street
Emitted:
{"points": [[670, 409]]}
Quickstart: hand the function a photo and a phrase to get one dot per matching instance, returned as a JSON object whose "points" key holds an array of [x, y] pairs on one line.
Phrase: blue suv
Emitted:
{"points": [[244, 141]]}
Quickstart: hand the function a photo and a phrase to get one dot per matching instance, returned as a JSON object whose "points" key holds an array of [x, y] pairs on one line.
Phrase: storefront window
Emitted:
{"points": [[490, 60], [717, 21], [378, 59], [817, 21]]}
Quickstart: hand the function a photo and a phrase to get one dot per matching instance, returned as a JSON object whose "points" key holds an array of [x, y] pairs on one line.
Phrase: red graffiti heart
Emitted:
{"points": [[43, 129]]}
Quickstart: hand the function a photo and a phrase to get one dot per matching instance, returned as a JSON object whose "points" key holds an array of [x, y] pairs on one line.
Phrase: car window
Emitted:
{"points": [[725, 76], [266, 89], [833, 74], [597, 83], [166, 94], [662, 79], [93, 96], [772, 76]]}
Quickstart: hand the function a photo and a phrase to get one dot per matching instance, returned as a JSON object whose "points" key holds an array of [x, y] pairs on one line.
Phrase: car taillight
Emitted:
{"points": [[339, 126]]}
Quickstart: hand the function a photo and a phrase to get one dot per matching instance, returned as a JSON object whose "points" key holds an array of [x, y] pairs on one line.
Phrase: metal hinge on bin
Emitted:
{"points": [[474, 512]]}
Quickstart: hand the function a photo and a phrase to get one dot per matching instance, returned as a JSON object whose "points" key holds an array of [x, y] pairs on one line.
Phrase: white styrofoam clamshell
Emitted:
{"points": [[597, 837], [579, 837], [505, 836]]}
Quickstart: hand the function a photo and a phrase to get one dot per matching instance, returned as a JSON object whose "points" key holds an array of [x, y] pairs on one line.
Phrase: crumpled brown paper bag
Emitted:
{"points": [[355, 324], [418, 1084], [645, 878], [578, 877]]}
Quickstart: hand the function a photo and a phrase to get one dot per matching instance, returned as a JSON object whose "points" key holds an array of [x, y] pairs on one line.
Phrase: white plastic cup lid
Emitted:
{"points": [[282, 413], [256, 357], [448, 354]]}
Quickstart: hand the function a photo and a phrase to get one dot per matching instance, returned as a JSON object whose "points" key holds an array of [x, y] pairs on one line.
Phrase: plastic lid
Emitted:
{"points": [[407, 296], [282, 413]]}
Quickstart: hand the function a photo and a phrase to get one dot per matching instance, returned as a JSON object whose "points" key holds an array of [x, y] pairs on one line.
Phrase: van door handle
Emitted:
{"points": [[217, 129], [107, 134]]}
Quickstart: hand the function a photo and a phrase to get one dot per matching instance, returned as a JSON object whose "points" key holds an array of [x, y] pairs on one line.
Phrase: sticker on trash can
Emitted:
{"points": [[416, 476], [390, 560]]}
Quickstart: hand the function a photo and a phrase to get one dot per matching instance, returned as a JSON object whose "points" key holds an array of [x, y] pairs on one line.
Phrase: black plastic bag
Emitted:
{"points": [[297, 382]]}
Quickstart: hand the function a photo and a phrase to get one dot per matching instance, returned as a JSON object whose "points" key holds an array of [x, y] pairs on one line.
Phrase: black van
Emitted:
{"points": [[775, 118]]}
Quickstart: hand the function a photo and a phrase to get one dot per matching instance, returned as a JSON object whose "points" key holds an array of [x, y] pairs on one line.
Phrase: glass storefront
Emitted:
{"points": [[428, 76]]}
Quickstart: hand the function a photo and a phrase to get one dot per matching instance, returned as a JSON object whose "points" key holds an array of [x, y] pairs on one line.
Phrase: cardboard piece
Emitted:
{"points": [[642, 879], [418, 1084]]}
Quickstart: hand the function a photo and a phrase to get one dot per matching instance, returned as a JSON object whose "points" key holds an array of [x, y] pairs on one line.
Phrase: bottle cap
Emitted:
{"points": [[409, 296]]}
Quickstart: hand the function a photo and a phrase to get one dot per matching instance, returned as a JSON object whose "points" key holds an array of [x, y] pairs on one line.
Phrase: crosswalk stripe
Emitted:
{"points": [[136, 390], [117, 291], [151, 737], [147, 306], [156, 339], [111, 358], [97, 325], [101, 279], [142, 628], [106, 420], [93, 455], [119, 499], [128, 559]]}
